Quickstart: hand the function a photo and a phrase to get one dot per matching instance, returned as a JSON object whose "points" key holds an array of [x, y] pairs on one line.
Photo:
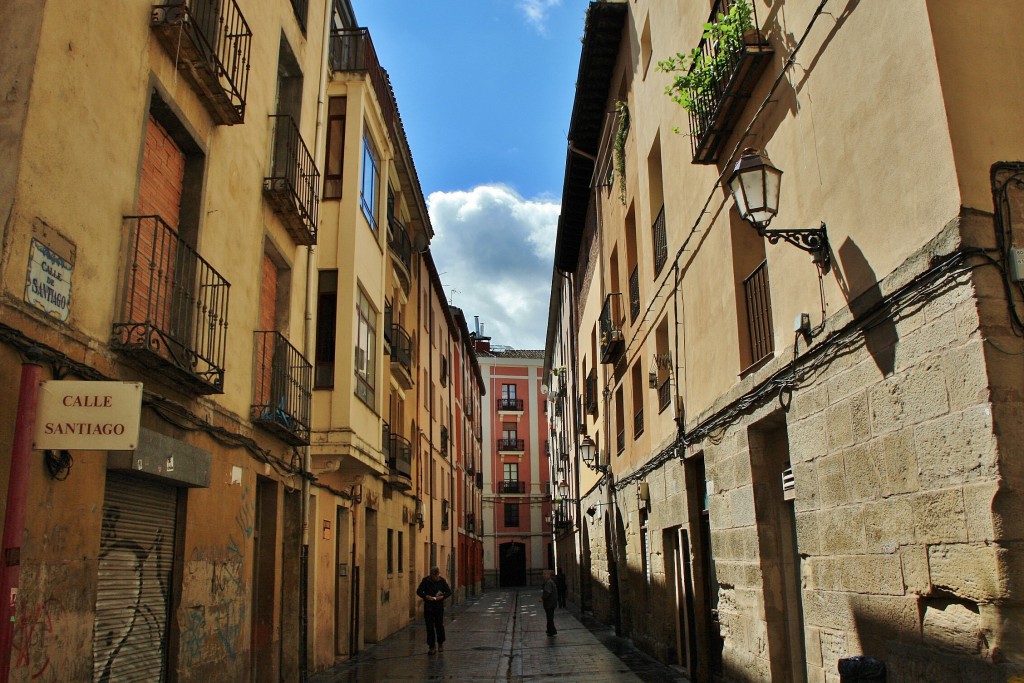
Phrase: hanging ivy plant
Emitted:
{"points": [[621, 133], [699, 74]]}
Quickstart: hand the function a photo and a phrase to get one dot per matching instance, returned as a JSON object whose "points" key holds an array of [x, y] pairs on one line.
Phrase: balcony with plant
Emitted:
{"points": [[714, 81]]}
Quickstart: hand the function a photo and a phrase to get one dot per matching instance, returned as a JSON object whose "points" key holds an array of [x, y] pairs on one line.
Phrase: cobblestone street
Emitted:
{"points": [[500, 636]]}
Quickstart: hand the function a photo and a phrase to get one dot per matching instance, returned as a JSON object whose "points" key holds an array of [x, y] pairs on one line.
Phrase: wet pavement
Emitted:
{"points": [[499, 636]]}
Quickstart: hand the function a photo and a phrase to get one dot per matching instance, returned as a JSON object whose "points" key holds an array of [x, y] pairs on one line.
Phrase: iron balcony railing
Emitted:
{"points": [[612, 339], [634, 293], [759, 313], [445, 509], [398, 241], [210, 43], [590, 392], [470, 522], [510, 404], [175, 310], [511, 486], [719, 103], [388, 318], [638, 423], [511, 445], [293, 185], [401, 347], [352, 50], [399, 454], [282, 392], [660, 242], [444, 442], [664, 394]]}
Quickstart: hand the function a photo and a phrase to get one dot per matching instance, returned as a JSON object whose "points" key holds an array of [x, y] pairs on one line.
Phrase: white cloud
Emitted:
{"points": [[495, 249], [536, 11]]}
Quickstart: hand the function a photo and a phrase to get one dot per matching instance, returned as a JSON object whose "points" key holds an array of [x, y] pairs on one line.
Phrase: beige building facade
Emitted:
{"points": [[802, 453], [215, 204]]}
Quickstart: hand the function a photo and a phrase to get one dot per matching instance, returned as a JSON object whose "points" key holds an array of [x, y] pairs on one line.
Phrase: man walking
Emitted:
{"points": [[434, 590], [549, 596]]}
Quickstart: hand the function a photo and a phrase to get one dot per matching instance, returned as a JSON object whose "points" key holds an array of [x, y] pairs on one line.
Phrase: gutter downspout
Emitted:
{"points": [[308, 350]]}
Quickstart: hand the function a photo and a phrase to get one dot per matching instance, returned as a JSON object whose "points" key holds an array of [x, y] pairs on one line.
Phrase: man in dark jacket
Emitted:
{"points": [[434, 590], [549, 596]]}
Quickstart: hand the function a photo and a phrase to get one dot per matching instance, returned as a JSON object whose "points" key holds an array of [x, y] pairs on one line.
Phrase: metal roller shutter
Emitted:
{"points": [[134, 582]]}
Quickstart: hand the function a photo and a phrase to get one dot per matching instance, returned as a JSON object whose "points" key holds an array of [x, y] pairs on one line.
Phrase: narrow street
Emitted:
{"points": [[500, 636]]}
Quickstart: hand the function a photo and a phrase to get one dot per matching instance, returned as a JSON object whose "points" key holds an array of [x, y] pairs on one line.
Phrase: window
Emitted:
{"points": [[509, 431], [371, 177], [401, 553], [508, 391], [335, 147], [326, 328], [638, 400], [511, 471], [512, 514], [391, 551], [365, 351], [444, 371], [756, 291]]}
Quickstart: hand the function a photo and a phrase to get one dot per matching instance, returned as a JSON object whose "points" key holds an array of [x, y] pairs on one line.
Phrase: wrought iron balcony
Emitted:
{"points": [[388, 318], [209, 43], [352, 51], [445, 510], [510, 405], [175, 309], [612, 319], [401, 249], [511, 486], [401, 356], [399, 461], [281, 396], [719, 104], [511, 446], [470, 522], [293, 186], [444, 442]]}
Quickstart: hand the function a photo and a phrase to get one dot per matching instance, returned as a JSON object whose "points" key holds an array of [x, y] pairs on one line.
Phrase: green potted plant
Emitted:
{"points": [[698, 75]]}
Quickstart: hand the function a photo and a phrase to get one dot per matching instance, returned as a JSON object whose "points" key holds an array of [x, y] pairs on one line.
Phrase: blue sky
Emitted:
{"points": [[485, 89]]}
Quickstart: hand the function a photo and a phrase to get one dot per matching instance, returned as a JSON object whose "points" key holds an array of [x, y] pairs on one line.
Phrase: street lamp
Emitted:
{"points": [[563, 489], [755, 185], [591, 456]]}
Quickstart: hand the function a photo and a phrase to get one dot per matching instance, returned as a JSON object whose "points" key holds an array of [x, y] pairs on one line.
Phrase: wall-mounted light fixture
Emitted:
{"points": [[755, 185], [591, 455]]}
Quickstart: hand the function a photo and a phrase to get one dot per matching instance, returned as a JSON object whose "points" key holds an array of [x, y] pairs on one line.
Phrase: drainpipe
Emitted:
{"points": [[308, 350], [17, 499]]}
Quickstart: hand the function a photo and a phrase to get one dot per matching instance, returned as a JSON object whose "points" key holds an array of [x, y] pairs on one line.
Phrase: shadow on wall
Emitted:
{"points": [[859, 285], [946, 642]]}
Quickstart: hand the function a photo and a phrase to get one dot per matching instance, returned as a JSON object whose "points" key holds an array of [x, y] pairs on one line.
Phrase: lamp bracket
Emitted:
{"points": [[812, 240]]}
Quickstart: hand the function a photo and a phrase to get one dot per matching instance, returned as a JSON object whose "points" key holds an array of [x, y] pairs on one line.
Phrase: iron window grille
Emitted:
{"points": [[634, 293], [660, 242], [759, 313]]}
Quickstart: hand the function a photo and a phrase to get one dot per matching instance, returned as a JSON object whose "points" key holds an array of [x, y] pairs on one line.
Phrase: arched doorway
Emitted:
{"points": [[512, 565]]}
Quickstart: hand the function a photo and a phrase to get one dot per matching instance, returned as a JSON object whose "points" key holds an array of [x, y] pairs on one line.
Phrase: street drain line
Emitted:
{"points": [[512, 644]]}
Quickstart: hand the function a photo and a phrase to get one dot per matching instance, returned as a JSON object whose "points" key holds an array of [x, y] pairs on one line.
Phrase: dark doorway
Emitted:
{"points": [[264, 532], [512, 565]]}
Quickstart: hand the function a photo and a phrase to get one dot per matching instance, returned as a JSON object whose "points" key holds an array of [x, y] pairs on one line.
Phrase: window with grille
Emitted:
{"points": [[511, 514], [759, 313]]}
